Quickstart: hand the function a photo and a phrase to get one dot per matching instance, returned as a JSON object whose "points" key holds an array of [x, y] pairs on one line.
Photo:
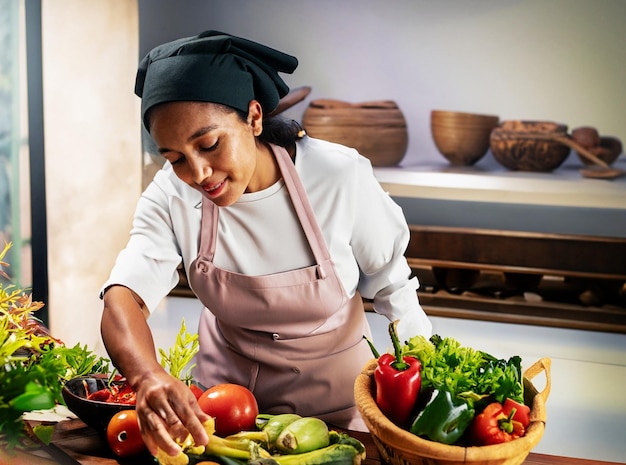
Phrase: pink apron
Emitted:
{"points": [[293, 338]]}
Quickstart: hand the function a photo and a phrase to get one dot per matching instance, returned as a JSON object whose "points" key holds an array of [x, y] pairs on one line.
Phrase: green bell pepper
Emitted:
{"points": [[443, 419]]}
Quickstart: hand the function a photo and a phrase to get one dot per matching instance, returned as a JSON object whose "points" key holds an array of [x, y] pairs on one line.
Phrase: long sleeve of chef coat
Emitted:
{"points": [[385, 273], [353, 209]]}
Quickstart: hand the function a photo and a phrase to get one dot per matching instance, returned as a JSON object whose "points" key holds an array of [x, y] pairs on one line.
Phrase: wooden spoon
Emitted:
{"points": [[601, 170], [294, 96]]}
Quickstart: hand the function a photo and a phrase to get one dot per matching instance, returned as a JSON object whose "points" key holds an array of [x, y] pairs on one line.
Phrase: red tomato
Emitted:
{"points": [[123, 434], [196, 390], [234, 408]]}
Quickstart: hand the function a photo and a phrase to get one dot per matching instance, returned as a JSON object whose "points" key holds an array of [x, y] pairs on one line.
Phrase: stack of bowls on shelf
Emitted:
{"points": [[376, 129]]}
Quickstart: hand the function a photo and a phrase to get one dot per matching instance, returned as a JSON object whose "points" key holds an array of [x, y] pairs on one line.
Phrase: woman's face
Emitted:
{"points": [[212, 149]]}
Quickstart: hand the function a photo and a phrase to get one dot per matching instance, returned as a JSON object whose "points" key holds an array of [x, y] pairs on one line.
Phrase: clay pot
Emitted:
{"points": [[514, 147], [462, 138], [376, 129]]}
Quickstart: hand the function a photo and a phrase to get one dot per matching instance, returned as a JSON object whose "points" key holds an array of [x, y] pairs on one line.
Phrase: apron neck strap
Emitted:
{"points": [[300, 200], [301, 203]]}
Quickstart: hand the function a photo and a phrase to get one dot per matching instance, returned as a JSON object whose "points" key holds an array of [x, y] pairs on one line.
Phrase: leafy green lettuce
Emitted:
{"points": [[465, 372]]}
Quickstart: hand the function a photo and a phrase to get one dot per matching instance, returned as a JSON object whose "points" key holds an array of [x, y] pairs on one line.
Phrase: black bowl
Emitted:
{"points": [[94, 413]]}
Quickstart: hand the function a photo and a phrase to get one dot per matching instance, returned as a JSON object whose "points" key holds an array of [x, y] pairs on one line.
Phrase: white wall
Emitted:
{"points": [[560, 60], [93, 153]]}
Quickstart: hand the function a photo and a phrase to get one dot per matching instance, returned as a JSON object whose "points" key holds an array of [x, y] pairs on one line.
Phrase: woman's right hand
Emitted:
{"points": [[166, 407], [168, 411]]}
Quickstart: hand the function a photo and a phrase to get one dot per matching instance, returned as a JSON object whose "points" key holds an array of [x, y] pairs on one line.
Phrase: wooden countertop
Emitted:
{"points": [[74, 443]]}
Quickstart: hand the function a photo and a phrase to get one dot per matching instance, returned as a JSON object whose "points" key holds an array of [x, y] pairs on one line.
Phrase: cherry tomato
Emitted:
{"points": [[234, 408], [123, 434]]}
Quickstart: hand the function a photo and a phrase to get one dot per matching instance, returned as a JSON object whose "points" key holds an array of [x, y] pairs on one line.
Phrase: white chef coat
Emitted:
{"points": [[365, 231]]}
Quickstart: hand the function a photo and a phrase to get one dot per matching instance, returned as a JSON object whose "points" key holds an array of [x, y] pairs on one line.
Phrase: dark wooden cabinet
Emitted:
{"points": [[559, 280]]}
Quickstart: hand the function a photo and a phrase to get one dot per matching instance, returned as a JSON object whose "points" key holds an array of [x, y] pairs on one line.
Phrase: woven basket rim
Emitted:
{"points": [[413, 446]]}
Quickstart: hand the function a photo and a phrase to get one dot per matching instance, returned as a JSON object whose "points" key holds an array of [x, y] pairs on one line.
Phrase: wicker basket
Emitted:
{"points": [[400, 447]]}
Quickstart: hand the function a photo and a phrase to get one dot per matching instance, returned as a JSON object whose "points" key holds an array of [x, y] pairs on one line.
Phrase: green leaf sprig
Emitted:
{"points": [[178, 358]]}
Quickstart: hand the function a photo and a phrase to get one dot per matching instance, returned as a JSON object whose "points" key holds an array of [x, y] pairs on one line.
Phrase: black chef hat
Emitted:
{"points": [[213, 67]]}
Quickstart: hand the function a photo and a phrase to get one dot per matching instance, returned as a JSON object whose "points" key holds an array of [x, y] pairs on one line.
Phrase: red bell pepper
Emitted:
{"points": [[494, 426], [398, 381], [114, 393], [522, 412]]}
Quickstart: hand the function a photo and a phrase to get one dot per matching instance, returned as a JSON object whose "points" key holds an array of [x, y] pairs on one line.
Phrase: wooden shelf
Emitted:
{"points": [[564, 187], [542, 313], [567, 281], [512, 251]]}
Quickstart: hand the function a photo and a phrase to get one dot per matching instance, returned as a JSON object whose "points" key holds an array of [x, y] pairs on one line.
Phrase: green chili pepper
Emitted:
{"points": [[444, 418]]}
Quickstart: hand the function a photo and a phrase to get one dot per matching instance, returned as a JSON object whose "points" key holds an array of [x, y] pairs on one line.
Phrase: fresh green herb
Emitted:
{"points": [[465, 372], [81, 361], [34, 365], [180, 355]]}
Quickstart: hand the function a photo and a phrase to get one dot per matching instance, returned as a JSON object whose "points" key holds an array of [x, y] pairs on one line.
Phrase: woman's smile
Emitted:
{"points": [[214, 190]]}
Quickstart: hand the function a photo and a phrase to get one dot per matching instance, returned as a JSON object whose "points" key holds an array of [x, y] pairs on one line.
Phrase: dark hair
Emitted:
{"points": [[277, 130], [281, 131]]}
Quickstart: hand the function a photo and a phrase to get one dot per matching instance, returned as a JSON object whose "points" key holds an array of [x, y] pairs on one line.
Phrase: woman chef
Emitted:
{"points": [[280, 235]]}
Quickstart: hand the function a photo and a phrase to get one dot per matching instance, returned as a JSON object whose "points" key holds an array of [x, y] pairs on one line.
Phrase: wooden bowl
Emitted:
{"points": [[376, 129], [92, 412], [609, 150], [606, 148], [462, 138], [526, 145]]}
